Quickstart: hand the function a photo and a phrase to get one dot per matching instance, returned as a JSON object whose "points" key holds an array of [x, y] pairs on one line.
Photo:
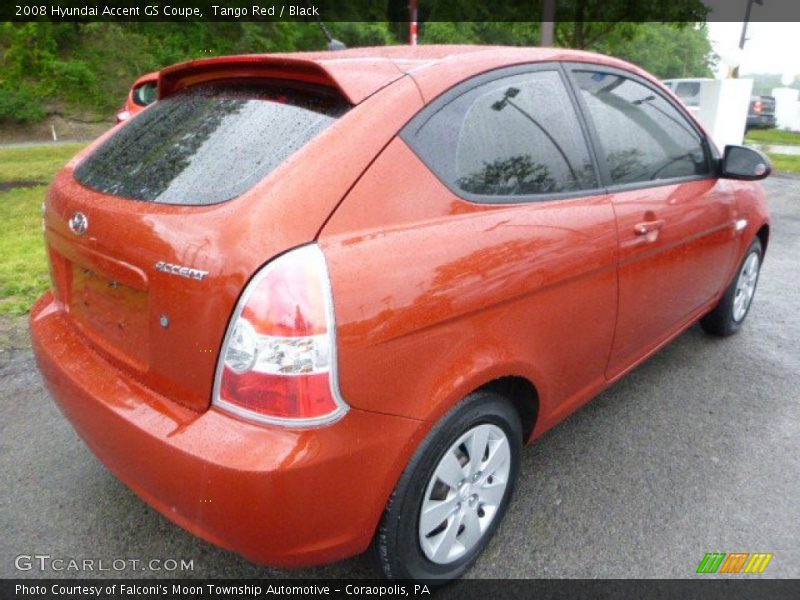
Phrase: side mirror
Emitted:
{"points": [[740, 162]]}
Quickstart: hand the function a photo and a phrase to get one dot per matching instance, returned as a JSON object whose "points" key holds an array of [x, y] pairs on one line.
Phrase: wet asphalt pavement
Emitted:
{"points": [[696, 451]]}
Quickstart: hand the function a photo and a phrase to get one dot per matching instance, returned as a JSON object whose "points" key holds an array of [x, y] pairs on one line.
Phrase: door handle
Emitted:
{"points": [[648, 227]]}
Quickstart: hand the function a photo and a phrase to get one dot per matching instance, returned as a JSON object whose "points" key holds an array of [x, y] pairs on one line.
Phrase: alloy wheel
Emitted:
{"points": [[745, 286], [464, 493]]}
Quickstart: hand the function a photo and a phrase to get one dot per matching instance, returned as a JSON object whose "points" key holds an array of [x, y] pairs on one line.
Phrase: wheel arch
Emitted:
{"points": [[522, 393], [763, 235], [515, 382]]}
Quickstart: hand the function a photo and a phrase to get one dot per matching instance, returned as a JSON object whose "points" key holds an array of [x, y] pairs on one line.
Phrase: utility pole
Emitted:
{"points": [[413, 7], [548, 23], [743, 38]]}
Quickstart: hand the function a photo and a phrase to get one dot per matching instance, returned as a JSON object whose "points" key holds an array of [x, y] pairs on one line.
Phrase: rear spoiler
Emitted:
{"points": [[356, 78]]}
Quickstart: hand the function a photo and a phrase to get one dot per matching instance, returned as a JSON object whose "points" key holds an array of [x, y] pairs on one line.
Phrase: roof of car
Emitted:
{"points": [[360, 72], [434, 53]]}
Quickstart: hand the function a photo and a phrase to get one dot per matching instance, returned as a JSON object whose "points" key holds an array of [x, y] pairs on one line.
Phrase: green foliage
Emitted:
{"points": [[668, 50], [585, 24], [19, 105], [468, 32], [88, 68], [71, 79], [355, 34]]}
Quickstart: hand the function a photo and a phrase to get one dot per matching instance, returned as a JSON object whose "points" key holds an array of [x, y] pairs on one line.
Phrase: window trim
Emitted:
{"points": [[409, 131], [709, 150]]}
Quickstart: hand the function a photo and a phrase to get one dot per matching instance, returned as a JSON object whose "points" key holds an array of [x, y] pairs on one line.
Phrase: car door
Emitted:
{"points": [[675, 219]]}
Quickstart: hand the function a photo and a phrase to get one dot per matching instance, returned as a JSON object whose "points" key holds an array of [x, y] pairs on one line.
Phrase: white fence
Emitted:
{"points": [[787, 108], [723, 109]]}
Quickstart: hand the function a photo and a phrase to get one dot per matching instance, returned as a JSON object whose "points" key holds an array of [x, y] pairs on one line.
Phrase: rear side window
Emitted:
{"points": [[643, 137], [513, 136], [208, 144]]}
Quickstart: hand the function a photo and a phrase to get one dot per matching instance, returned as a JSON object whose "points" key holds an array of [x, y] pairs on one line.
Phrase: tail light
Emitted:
{"points": [[278, 360]]}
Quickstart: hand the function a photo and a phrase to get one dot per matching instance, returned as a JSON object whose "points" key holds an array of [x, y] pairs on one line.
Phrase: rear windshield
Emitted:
{"points": [[209, 144]]}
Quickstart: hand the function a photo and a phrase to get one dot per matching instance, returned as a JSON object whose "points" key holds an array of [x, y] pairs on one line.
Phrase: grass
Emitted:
{"points": [[23, 266], [34, 163], [785, 162], [772, 136]]}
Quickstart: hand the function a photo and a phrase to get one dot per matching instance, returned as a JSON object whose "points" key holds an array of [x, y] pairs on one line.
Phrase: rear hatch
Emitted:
{"points": [[153, 232]]}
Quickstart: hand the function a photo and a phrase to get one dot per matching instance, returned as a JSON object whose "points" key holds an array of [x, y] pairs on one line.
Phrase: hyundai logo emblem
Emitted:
{"points": [[79, 223]]}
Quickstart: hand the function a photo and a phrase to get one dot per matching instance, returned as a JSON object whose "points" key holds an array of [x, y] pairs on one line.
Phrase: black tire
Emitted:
{"points": [[721, 321], [397, 541]]}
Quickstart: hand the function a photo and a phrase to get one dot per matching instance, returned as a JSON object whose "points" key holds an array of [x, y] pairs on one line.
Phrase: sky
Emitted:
{"points": [[770, 47]]}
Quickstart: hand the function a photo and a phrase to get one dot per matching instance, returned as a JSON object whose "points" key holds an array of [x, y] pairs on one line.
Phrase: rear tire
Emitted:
{"points": [[729, 315], [453, 493]]}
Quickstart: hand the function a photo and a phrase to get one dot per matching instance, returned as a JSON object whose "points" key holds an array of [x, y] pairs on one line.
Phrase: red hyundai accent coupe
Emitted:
{"points": [[306, 302]]}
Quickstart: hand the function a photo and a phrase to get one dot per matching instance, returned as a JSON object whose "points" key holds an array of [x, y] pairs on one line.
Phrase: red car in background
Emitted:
{"points": [[143, 92], [310, 301]]}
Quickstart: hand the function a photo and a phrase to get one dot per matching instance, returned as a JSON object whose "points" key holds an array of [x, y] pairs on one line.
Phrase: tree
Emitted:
{"points": [[88, 67], [668, 50], [585, 24]]}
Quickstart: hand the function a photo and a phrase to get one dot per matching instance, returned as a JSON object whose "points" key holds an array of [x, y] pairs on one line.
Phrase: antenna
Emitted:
{"points": [[333, 43]]}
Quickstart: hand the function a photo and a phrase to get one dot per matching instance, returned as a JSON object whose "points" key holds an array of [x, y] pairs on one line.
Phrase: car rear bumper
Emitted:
{"points": [[765, 121], [277, 496]]}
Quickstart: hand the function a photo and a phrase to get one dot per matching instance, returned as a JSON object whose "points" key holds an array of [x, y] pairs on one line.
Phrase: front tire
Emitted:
{"points": [[453, 493], [729, 315]]}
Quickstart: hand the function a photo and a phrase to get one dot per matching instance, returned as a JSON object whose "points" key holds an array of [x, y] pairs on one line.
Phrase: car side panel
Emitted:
{"points": [[752, 207], [461, 293], [670, 273], [753, 213]]}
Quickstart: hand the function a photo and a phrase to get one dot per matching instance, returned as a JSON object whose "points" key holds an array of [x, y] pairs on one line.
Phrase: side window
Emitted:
{"points": [[514, 136], [643, 137]]}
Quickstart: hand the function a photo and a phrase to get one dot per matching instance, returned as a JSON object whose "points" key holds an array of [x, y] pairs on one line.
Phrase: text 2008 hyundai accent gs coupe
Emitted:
{"points": [[308, 301]]}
